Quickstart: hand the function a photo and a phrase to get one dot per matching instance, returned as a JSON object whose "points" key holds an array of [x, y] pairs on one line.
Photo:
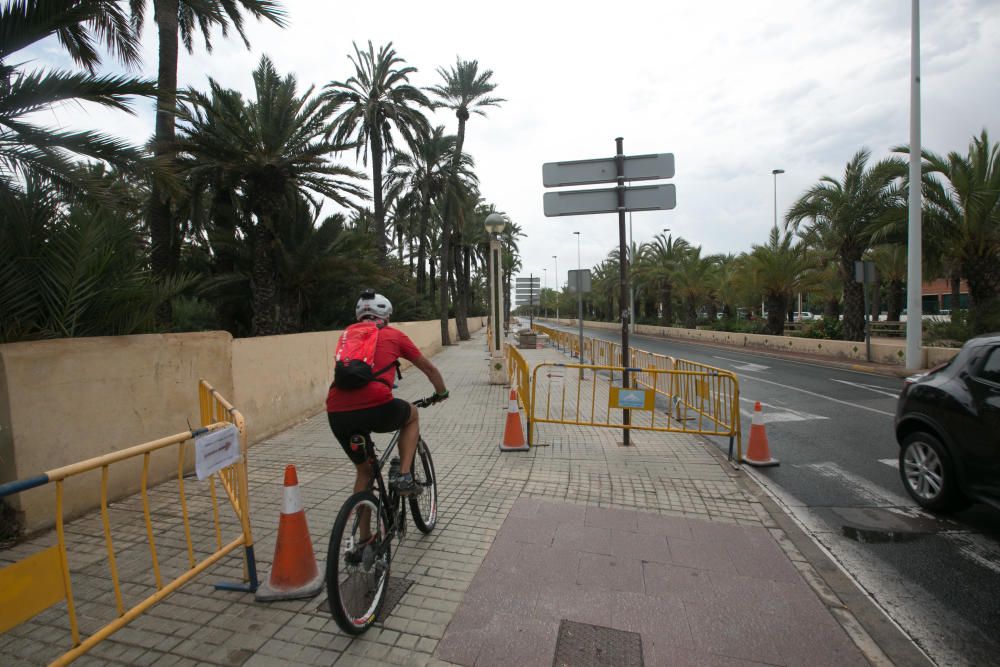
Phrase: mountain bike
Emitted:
{"points": [[357, 569]]}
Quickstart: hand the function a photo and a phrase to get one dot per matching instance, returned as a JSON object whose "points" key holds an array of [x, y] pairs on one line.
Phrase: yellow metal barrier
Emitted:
{"points": [[519, 374], [37, 582], [704, 402]]}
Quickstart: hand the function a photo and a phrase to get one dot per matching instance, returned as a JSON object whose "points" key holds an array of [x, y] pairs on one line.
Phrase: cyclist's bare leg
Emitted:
{"points": [[362, 478], [408, 435]]}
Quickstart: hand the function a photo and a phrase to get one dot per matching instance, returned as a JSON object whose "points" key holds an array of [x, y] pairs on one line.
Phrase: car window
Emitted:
{"points": [[991, 369]]}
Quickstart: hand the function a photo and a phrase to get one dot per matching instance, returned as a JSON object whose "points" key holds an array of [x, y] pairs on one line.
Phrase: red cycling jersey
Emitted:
{"points": [[392, 345]]}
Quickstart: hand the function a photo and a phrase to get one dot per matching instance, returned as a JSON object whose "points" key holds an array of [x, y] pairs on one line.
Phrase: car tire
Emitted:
{"points": [[928, 474]]}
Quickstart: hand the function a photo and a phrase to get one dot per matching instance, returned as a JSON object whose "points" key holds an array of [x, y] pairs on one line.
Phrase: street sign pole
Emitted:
{"points": [[579, 320], [608, 200], [623, 279]]}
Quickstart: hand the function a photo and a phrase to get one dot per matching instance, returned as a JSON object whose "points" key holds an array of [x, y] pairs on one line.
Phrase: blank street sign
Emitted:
{"points": [[584, 274], [602, 170], [585, 202]]}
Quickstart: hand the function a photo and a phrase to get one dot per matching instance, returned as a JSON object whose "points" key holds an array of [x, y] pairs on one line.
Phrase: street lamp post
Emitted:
{"points": [[556, 258], [579, 296], [662, 315], [545, 286], [774, 173], [495, 224], [914, 248]]}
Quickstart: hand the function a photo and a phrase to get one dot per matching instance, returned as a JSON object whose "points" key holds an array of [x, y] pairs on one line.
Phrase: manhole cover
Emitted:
{"points": [[397, 589], [583, 645]]}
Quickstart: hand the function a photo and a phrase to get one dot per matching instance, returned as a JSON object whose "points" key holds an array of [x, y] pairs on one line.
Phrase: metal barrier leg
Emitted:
{"points": [[248, 587]]}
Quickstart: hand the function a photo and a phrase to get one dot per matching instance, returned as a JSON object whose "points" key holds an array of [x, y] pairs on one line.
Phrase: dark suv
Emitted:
{"points": [[948, 429]]}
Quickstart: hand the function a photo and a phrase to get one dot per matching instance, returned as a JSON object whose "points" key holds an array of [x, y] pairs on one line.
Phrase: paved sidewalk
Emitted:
{"points": [[663, 541]]}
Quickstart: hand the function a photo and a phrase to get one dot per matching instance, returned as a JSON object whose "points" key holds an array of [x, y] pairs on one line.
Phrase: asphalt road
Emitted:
{"points": [[832, 431]]}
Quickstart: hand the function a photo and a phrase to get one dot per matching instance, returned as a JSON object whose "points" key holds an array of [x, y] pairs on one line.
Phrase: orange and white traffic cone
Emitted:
{"points": [[758, 453], [513, 434], [294, 573]]}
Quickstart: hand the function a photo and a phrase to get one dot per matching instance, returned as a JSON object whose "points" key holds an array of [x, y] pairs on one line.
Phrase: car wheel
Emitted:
{"points": [[928, 474]]}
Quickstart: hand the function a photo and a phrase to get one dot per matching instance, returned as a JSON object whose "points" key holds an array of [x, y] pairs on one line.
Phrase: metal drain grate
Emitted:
{"points": [[583, 645], [397, 589]]}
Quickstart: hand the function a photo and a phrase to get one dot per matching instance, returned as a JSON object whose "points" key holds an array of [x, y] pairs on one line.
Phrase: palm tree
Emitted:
{"points": [[274, 148], [72, 268], [369, 106], [842, 216], [425, 173], [178, 21], [661, 258], [694, 278], [727, 286], [964, 215], [606, 288], [510, 258], [890, 260], [465, 90], [31, 151], [779, 269]]}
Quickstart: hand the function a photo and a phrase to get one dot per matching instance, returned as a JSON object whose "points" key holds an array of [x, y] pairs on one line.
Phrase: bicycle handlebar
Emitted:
{"points": [[430, 400]]}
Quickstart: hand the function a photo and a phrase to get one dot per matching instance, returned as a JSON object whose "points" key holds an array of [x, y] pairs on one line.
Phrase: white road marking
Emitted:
{"points": [[870, 387], [859, 486], [978, 549], [775, 413], [744, 365], [892, 463], [754, 378]]}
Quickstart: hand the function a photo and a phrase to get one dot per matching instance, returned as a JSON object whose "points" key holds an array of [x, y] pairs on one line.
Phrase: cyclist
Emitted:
{"points": [[373, 407]]}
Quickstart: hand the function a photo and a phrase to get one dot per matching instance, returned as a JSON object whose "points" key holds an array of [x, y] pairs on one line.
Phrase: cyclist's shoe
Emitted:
{"points": [[356, 555], [405, 485]]}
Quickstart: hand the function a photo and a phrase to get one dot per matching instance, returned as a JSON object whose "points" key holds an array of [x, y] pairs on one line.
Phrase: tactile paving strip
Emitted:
{"points": [[583, 645], [397, 589]]}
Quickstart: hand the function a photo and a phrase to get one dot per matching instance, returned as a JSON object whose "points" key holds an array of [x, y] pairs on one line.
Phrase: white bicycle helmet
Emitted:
{"points": [[373, 305]]}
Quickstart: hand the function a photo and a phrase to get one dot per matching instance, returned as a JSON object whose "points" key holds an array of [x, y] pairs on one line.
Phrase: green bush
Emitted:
{"points": [[824, 329], [737, 326], [193, 314], [949, 334]]}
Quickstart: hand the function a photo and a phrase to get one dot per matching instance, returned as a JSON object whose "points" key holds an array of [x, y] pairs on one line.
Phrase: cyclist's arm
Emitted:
{"points": [[433, 374]]}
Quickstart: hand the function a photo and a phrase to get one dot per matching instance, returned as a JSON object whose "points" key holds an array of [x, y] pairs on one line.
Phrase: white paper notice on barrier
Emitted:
{"points": [[216, 450]]}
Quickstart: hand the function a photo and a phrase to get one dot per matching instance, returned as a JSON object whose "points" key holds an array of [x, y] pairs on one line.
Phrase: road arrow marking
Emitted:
{"points": [[870, 387], [776, 413], [744, 365]]}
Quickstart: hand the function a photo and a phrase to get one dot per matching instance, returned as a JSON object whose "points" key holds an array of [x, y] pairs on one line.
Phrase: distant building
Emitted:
{"points": [[936, 296]]}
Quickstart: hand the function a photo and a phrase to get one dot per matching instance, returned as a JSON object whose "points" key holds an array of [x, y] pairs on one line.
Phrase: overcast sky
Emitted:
{"points": [[733, 89]]}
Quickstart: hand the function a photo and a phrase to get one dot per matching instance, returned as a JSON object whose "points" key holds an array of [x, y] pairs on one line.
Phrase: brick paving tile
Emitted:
{"points": [[654, 538]]}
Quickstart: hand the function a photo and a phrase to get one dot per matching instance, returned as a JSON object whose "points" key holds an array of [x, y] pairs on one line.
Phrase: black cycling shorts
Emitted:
{"points": [[384, 418]]}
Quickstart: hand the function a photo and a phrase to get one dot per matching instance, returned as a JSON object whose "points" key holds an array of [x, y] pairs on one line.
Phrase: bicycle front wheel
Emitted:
{"points": [[358, 563], [424, 507]]}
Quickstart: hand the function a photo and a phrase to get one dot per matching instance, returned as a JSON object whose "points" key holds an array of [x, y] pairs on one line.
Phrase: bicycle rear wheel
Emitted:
{"points": [[424, 507], [357, 574]]}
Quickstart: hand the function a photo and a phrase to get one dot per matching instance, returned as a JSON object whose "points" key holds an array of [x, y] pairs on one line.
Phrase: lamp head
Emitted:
{"points": [[777, 171], [495, 223]]}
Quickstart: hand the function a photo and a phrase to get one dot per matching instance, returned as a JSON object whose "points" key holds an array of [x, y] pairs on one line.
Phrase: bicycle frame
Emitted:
{"points": [[388, 499]]}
